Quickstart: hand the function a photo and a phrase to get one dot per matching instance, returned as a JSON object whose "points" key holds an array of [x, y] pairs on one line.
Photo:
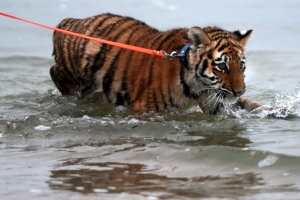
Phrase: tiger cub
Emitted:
{"points": [[211, 70]]}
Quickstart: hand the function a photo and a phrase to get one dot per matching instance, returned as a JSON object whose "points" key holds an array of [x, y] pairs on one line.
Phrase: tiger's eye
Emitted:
{"points": [[222, 66]]}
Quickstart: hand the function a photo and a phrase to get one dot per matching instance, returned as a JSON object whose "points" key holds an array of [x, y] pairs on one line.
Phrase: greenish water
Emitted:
{"points": [[54, 147]]}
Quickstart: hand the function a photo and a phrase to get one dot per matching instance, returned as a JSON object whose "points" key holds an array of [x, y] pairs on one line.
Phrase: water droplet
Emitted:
{"points": [[79, 188], [100, 190], [152, 198], [86, 117], [111, 188], [268, 161]]}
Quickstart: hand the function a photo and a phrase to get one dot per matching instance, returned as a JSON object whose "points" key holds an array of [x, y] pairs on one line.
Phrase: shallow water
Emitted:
{"points": [[55, 147]]}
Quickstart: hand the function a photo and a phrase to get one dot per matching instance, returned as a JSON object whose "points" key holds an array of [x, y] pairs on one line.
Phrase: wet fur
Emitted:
{"points": [[145, 82]]}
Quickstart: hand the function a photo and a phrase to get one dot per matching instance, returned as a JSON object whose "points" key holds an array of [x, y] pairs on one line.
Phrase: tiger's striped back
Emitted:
{"points": [[144, 82]]}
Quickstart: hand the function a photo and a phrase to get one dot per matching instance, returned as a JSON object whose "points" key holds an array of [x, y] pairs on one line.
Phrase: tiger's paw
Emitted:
{"points": [[256, 108], [246, 103]]}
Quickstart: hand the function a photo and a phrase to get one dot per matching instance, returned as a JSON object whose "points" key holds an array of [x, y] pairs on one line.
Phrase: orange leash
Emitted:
{"points": [[116, 44]]}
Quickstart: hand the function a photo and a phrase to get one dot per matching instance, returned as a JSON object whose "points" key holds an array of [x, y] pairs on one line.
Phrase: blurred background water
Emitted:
{"points": [[59, 147]]}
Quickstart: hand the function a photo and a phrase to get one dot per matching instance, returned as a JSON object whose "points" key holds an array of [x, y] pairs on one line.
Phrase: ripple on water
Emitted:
{"points": [[89, 146]]}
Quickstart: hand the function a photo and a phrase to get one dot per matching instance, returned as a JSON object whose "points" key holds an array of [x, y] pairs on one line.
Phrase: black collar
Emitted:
{"points": [[182, 56]]}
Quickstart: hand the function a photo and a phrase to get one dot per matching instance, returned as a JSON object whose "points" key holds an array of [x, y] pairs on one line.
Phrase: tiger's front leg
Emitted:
{"points": [[246, 103], [209, 103]]}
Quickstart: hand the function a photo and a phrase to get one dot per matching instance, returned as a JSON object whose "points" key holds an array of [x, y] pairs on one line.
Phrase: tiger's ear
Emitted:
{"points": [[198, 36], [242, 37]]}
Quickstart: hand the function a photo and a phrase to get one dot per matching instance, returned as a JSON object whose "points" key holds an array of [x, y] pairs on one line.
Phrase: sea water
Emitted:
{"points": [[55, 147]]}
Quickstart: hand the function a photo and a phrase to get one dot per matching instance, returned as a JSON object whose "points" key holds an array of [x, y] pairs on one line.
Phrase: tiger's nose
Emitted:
{"points": [[238, 93]]}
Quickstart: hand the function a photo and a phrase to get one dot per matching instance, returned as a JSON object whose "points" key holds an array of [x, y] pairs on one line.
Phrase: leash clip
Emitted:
{"points": [[171, 56]]}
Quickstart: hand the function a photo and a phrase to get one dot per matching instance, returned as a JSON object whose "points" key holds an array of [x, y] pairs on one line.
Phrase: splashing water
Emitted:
{"points": [[283, 106], [286, 105]]}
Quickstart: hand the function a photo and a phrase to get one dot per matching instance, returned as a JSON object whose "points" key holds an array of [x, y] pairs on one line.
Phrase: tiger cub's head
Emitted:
{"points": [[217, 59]]}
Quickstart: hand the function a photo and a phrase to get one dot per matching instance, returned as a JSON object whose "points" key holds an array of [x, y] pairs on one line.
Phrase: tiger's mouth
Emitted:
{"points": [[225, 96], [230, 93]]}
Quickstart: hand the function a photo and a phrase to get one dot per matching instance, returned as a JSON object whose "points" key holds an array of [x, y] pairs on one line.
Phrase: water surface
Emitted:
{"points": [[55, 147]]}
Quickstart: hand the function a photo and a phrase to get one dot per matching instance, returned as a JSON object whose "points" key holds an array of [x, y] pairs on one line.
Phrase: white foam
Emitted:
{"points": [[100, 190], [152, 198], [86, 117], [133, 121], [42, 128], [268, 161], [79, 188]]}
